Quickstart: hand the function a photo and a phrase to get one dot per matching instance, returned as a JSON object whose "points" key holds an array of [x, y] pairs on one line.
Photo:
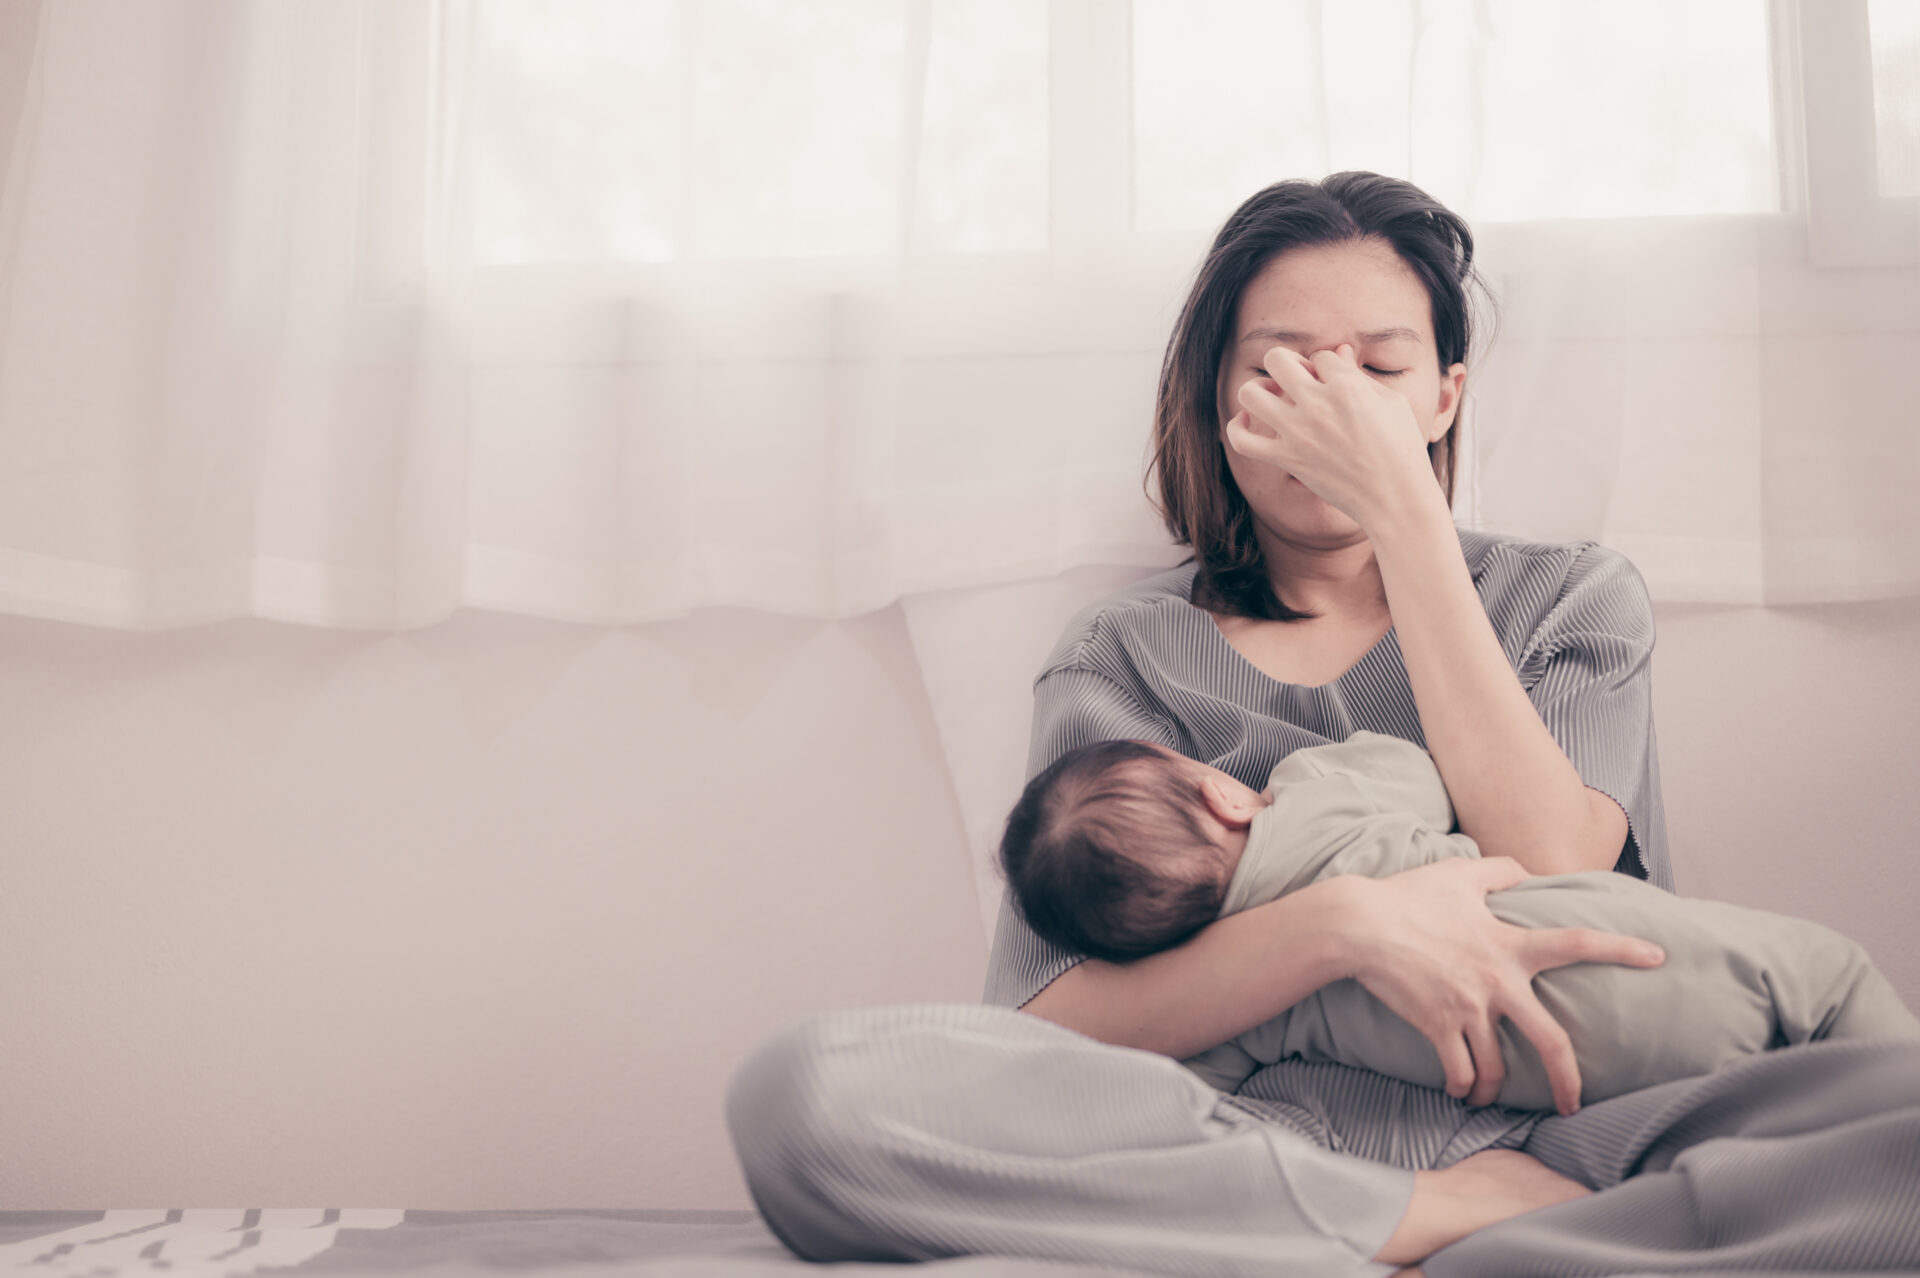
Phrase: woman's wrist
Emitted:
{"points": [[1352, 924], [1417, 509]]}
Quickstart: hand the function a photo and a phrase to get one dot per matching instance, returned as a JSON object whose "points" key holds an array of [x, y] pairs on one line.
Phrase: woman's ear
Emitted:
{"points": [[1453, 387]]}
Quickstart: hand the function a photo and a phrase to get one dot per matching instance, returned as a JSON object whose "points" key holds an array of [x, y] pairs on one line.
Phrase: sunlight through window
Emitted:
{"points": [[1895, 25]]}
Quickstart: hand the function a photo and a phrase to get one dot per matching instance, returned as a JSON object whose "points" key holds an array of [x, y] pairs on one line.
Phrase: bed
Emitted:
{"points": [[349, 1242], [346, 1242]]}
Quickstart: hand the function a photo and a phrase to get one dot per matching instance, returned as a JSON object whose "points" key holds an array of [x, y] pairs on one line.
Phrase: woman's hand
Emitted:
{"points": [[1434, 953], [1350, 439]]}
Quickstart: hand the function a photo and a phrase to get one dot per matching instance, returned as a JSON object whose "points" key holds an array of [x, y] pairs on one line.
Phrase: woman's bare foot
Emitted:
{"points": [[1479, 1190]]}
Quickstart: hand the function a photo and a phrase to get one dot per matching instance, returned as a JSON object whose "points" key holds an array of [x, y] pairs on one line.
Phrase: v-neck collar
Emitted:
{"points": [[1387, 645]]}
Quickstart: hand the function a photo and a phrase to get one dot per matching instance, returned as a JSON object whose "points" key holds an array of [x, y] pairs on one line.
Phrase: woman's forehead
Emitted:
{"points": [[1323, 293]]}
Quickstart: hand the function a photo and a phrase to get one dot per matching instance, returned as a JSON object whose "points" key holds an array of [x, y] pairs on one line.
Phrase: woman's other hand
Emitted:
{"points": [[1353, 440], [1430, 949]]}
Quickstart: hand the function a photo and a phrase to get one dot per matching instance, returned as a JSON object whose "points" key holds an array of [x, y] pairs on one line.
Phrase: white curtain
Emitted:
{"points": [[354, 312]]}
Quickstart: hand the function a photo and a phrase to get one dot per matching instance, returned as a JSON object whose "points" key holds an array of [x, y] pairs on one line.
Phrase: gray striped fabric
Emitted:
{"points": [[922, 1131], [1574, 619]]}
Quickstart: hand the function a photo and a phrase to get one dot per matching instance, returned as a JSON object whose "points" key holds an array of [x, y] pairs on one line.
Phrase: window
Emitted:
{"points": [[1855, 89], [654, 130], [1893, 28], [1505, 111]]}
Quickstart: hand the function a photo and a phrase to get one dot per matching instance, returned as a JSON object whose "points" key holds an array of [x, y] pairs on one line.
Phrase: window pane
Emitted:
{"points": [[1895, 27], [1505, 109], [646, 130], [982, 173], [798, 121], [576, 143]]}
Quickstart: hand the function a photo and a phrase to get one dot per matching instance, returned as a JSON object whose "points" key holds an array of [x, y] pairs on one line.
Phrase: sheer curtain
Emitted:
{"points": [[354, 313]]}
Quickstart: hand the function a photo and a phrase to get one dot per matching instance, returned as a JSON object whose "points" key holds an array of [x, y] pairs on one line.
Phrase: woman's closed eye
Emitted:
{"points": [[1378, 372]]}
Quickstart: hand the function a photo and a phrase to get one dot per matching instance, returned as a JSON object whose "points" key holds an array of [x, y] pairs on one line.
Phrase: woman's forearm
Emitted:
{"points": [[1238, 972], [1513, 788]]}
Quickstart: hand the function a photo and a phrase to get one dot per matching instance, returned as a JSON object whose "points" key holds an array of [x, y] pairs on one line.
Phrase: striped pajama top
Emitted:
{"points": [[1574, 619]]}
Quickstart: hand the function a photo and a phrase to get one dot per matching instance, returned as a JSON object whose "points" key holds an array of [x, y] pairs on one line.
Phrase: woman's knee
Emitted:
{"points": [[807, 1111]]}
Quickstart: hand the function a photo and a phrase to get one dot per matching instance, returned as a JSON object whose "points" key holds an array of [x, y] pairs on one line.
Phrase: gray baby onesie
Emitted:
{"points": [[1736, 980]]}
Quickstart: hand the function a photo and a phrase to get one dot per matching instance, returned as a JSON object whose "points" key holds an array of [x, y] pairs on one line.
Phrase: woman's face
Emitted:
{"points": [[1312, 299]]}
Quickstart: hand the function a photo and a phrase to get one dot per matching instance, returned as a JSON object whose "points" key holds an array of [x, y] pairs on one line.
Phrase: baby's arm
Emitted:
{"points": [[1390, 774], [1371, 805]]}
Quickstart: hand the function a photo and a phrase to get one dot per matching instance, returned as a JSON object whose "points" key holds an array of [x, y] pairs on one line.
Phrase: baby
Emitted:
{"points": [[1123, 848]]}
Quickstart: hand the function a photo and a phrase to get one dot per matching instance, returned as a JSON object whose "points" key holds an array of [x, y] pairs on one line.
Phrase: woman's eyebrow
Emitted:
{"points": [[1282, 337]]}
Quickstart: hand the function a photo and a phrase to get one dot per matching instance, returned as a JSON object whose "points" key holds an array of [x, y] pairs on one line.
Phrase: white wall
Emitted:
{"points": [[1789, 743], [480, 916], [475, 916]]}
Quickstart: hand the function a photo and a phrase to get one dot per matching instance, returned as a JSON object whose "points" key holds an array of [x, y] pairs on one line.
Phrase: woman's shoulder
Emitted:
{"points": [[1122, 620], [1532, 586], [1483, 546], [1507, 561]]}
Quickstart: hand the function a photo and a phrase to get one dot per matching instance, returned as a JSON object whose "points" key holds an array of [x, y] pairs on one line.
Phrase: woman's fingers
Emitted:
{"points": [[1492, 873], [1457, 1061], [1260, 403], [1490, 1069], [1245, 438], [1292, 370], [1549, 947], [1328, 365], [1550, 1039]]}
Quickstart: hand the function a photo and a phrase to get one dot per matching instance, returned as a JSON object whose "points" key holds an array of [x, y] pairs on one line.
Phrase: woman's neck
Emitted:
{"points": [[1338, 579]]}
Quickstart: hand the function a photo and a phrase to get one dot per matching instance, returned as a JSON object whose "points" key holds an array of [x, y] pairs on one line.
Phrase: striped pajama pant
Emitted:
{"points": [[922, 1131]]}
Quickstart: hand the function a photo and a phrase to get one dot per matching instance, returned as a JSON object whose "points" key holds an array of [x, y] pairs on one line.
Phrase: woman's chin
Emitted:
{"points": [[1304, 516], [1304, 503]]}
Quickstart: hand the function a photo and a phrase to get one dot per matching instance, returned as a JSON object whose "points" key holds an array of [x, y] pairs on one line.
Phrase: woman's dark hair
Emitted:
{"points": [[1101, 853], [1197, 497]]}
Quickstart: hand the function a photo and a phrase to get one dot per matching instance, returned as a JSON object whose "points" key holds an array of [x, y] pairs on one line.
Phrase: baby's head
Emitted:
{"points": [[1124, 848]]}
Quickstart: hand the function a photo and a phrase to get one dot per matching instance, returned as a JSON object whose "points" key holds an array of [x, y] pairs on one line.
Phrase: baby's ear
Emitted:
{"points": [[1231, 807]]}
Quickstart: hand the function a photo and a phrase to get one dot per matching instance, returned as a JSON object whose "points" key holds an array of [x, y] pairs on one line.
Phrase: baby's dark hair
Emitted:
{"points": [[1101, 853]]}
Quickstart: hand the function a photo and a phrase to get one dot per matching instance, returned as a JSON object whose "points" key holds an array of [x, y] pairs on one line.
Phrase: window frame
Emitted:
{"points": [[1825, 138], [1821, 76]]}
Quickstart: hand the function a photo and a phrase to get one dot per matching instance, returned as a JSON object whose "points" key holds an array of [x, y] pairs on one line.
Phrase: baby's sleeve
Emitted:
{"points": [[1587, 667], [1072, 707], [1390, 774]]}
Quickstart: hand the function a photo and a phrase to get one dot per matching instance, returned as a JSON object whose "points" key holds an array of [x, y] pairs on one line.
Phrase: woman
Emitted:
{"points": [[1304, 432]]}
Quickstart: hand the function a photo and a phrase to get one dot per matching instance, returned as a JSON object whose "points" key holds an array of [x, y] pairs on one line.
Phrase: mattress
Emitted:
{"points": [[346, 1242]]}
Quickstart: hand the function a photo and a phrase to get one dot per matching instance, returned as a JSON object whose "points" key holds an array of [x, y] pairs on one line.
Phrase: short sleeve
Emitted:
{"points": [[1588, 669], [1071, 708]]}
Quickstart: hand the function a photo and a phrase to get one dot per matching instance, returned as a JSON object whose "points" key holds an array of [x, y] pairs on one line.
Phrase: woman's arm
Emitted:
{"points": [[1355, 443], [1421, 941], [1514, 790], [1236, 973]]}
